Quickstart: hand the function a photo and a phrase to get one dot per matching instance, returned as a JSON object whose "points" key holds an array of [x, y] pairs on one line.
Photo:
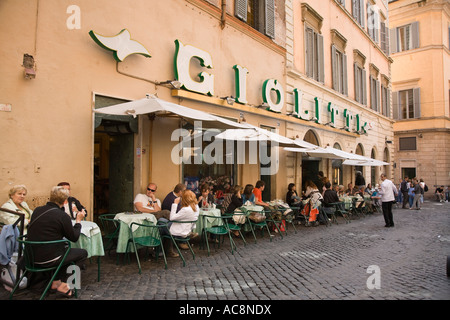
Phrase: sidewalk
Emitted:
{"points": [[315, 263]]}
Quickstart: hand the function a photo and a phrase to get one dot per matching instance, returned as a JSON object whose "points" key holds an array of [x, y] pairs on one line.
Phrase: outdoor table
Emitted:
{"points": [[126, 219], [347, 202], [206, 223], [91, 240]]}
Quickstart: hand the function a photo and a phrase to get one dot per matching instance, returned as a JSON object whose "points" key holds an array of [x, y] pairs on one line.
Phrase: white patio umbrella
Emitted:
{"points": [[254, 133], [152, 104], [316, 152]]}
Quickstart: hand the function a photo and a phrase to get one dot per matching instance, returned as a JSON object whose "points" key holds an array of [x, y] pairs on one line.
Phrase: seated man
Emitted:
{"points": [[440, 194], [171, 196], [73, 206], [329, 196], [148, 203]]}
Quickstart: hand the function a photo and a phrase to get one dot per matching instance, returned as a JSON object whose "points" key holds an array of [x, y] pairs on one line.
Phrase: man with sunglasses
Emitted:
{"points": [[150, 204]]}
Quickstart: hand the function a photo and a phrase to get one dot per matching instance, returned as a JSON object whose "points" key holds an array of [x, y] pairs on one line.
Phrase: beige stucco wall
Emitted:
{"points": [[50, 125]]}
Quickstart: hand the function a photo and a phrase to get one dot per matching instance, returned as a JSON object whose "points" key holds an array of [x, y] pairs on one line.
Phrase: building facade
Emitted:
{"points": [[420, 42], [339, 68], [290, 66]]}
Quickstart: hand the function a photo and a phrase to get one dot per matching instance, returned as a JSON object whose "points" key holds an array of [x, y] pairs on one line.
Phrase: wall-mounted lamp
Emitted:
{"points": [[230, 99], [29, 65], [175, 84], [387, 141]]}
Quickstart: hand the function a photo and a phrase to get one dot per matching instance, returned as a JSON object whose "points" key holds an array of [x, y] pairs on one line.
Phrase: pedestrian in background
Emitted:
{"points": [[418, 192], [404, 190]]}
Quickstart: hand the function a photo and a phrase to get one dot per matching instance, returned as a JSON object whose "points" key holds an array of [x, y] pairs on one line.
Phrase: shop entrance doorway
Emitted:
{"points": [[113, 160]]}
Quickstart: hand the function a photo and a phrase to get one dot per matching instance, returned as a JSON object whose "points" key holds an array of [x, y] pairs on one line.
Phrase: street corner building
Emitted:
{"points": [[316, 75]]}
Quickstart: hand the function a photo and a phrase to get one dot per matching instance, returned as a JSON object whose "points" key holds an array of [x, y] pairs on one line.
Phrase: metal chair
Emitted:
{"points": [[110, 230], [183, 240], [233, 226], [31, 266], [259, 225], [219, 227], [150, 238]]}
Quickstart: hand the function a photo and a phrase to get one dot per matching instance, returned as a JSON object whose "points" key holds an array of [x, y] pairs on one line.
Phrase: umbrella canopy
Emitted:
{"points": [[152, 104], [317, 152], [253, 133], [367, 162]]}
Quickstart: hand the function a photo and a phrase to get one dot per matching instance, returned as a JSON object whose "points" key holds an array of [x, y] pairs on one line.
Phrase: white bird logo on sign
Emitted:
{"points": [[121, 44]]}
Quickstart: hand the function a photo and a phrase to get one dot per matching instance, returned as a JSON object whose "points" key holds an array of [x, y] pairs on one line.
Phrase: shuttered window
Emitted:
{"points": [[358, 11], [339, 70], [373, 22], [259, 14], [385, 101], [406, 104], [407, 143], [405, 37], [374, 94], [360, 84], [384, 38], [314, 62]]}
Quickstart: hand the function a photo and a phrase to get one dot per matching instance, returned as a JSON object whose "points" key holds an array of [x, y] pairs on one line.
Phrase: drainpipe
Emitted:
{"points": [[224, 14]]}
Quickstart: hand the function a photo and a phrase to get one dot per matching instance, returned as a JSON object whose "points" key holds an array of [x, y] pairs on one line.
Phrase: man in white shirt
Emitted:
{"points": [[150, 204], [387, 193]]}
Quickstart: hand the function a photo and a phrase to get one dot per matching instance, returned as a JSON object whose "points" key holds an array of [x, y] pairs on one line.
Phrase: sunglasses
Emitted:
{"points": [[151, 190]]}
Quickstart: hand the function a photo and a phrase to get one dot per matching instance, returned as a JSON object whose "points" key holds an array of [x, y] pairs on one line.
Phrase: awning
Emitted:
{"points": [[351, 159], [254, 133], [152, 104], [317, 152]]}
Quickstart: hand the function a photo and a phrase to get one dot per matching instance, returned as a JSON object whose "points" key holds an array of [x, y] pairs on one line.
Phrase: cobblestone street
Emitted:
{"points": [[315, 263]]}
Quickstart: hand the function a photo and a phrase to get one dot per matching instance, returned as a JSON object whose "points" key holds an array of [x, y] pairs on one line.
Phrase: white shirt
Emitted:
{"points": [[387, 191], [185, 214], [146, 201]]}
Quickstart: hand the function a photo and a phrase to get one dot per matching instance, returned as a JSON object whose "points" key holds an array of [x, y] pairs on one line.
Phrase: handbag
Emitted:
{"points": [[256, 217], [239, 217]]}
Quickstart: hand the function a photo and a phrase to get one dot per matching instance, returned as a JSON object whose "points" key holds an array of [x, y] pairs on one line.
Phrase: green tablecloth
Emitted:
{"points": [[126, 219], [90, 239], [207, 222]]}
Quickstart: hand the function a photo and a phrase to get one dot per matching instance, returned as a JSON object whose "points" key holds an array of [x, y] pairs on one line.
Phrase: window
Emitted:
{"points": [[374, 94], [358, 11], [385, 101], [405, 37], [384, 37], [373, 22], [406, 104], [339, 70], [408, 143], [314, 55], [360, 84], [259, 14]]}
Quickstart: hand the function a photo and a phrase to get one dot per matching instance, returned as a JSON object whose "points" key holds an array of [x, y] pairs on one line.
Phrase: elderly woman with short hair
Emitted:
{"points": [[16, 203]]}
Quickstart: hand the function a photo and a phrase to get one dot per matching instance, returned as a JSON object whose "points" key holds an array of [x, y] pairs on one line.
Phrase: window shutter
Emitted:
{"points": [[269, 18], [334, 75], [361, 13], [386, 32], [372, 93], [364, 87], [320, 58], [395, 106], [344, 74], [388, 104], [355, 10], [240, 9], [309, 61], [415, 35], [383, 37], [416, 102], [377, 92], [393, 40], [357, 82]]}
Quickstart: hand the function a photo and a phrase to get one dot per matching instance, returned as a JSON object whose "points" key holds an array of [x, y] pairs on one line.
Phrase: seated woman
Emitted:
{"points": [[292, 198], [236, 200], [248, 195], [16, 203], [206, 198], [189, 212], [50, 223]]}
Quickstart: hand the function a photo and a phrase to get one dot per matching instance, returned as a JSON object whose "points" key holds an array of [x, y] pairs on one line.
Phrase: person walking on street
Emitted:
{"points": [[387, 193], [404, 190], [418, 193]]}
